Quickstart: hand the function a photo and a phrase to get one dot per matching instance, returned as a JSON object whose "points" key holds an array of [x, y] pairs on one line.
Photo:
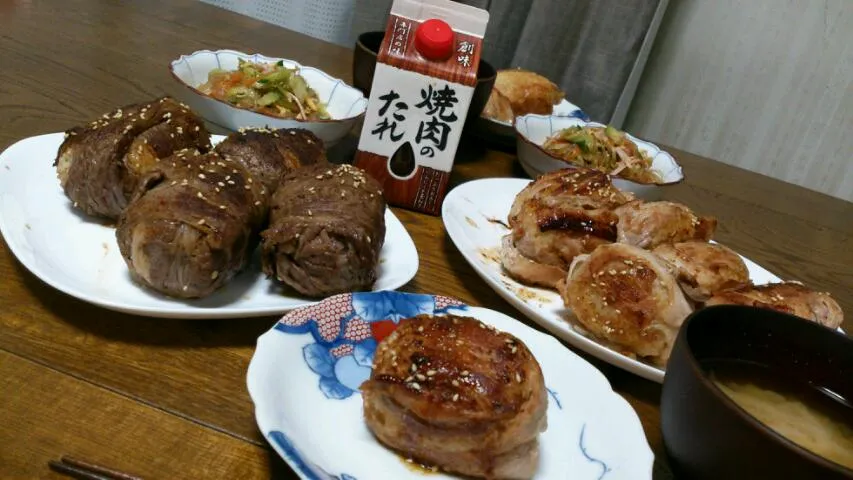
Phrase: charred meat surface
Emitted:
{"points": [[195, 228], [326, 229], [789, 297], [452, 392], [270, 154], [100, 164], [627, 297], [561, 215]]}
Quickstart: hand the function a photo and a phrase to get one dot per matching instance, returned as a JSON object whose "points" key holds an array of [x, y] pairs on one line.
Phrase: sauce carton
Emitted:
{"points": [[425, 76]]}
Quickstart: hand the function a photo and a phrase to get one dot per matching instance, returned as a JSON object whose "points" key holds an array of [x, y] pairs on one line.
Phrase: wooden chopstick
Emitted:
{"points": [[84, 470]]}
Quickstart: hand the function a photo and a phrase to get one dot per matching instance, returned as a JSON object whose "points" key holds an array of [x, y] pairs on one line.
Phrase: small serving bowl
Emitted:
{"points": [[364, 66], [707, 436], [532, 131], [344, 103]]}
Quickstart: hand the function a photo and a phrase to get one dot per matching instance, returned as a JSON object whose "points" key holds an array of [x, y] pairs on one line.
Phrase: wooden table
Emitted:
{"points": [[167, 398]]}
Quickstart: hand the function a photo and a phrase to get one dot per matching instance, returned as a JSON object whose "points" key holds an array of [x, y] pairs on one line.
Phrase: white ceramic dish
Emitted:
{"points": [[75, 254], [504, 133], [471, 214], [344, 103], [533, 130], [306, 371]]}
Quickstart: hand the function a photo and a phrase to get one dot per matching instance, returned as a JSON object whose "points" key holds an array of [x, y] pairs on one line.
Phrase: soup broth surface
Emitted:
{"points": [[817, 420]]}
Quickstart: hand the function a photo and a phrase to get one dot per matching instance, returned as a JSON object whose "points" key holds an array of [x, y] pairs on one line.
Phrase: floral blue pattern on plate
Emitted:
{"points": [[306, 371], [346, 329]]}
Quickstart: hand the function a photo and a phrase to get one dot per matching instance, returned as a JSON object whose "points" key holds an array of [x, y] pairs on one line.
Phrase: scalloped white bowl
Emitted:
{"points": [[344, 103], [532, 131]]}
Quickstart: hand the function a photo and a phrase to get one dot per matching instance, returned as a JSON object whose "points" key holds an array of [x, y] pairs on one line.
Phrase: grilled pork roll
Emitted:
{"points": [[327, 226], [196, 219], [100, 164], [451, 392], [195, 228]]}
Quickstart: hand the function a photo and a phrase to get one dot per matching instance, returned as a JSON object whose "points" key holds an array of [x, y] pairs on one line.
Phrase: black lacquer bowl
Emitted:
{"points": [[707, 436]]}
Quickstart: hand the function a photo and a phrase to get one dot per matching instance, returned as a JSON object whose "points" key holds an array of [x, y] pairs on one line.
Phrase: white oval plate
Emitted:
{"points": [[471, 213], [306, 371], [533, 130], [343, 102], [73, 253]]}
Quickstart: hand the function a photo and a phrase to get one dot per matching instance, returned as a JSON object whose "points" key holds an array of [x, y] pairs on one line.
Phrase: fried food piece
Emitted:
{"points": [[326, 229], [498, 108], [454, 393], [100, 164], [527, 92], [626, 296], [788, 297], [703, 268]]}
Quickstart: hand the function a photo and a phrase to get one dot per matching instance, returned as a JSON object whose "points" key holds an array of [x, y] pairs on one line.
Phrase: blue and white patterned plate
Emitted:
{"points": [[306, 371]]}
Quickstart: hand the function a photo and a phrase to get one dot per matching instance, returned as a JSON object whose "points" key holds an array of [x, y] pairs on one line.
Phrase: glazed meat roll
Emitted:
{"points": [[627, 297], [195, 228], [199, 224], [99, 165], [270, 154], [788, 297], [327, 227], [454, 393]]}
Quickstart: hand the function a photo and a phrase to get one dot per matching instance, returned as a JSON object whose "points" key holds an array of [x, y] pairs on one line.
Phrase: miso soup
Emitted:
{"points": [[817, 420]]}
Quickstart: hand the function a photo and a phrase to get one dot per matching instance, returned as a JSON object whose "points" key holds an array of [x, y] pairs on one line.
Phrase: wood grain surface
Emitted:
{"points": [[167, 398]]}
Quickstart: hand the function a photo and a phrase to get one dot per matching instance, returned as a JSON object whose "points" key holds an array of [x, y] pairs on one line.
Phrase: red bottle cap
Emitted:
{"points": [[434, 39]]}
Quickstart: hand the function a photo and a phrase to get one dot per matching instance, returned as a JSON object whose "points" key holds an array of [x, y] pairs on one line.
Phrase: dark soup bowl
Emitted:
{"points": [[735, 371], [364, 66]]}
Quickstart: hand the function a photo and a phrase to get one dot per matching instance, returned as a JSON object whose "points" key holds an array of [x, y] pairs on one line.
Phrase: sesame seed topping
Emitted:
{"points": [[199, 195], [414, 368], [518, 378], [455, 397], [185, 287], [201, 222], [421, 328], [431, 373], [465, 373], [455, 383], [415, 385], [420, 377], [214, 275], [201, 176], [257, 203]]}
